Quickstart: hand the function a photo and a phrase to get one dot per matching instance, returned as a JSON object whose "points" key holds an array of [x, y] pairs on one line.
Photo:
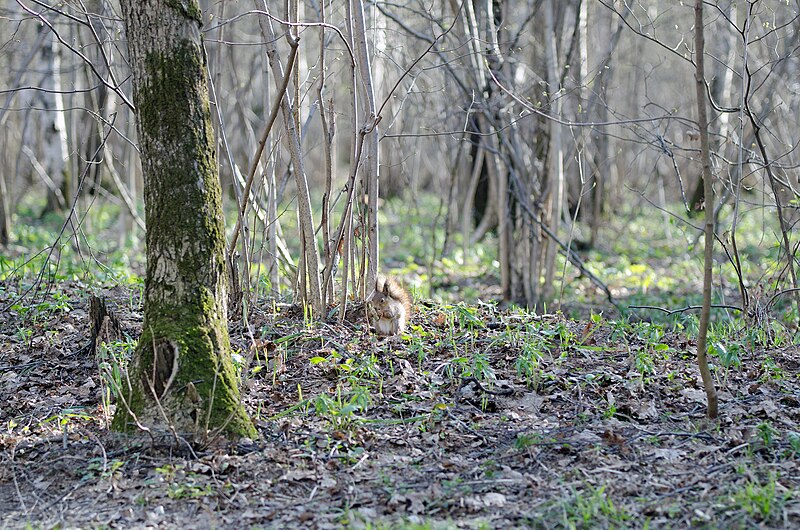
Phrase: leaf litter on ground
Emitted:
{"points": [[475, 418]]}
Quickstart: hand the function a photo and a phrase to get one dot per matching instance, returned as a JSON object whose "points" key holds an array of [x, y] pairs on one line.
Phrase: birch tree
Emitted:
{"points": [[181, 377], [54, 141]]}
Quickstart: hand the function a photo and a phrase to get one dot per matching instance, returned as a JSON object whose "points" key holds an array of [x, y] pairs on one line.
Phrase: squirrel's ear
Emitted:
{"points": [[386, 288]]}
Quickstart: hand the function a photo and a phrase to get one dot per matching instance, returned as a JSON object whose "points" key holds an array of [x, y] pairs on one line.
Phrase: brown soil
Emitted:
{"points": [[436, 430]]}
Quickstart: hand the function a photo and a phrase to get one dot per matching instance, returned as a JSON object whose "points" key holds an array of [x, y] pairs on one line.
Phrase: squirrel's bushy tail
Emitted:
{"points": [[392, 288]]}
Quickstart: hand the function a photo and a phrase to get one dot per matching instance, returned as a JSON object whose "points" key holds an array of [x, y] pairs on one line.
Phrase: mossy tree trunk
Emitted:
{"points": [[181, 378]]}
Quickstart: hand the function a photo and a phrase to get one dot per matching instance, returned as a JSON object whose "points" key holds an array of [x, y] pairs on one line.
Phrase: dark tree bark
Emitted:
{"points": [[181, 377], [5, 213]]}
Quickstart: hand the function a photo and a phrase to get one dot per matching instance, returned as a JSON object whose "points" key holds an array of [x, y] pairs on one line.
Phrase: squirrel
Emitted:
{"points": [[392, 304]]}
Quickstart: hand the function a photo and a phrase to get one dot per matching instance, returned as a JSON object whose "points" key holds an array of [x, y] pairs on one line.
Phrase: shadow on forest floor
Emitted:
{"points": [[477, 418]]}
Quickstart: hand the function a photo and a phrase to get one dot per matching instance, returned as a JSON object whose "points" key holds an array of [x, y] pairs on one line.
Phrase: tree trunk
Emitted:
{"points": [[181, 377], [5, 212], [554, 191], [371, 152], [54, 149], [310, 285], [702, 123]]}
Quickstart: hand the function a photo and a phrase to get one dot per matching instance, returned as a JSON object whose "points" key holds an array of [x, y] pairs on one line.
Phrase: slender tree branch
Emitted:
{"points": [[273, 115], [702, 123]]}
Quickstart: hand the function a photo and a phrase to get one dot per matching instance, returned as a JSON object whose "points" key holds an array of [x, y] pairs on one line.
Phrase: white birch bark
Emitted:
{"points": [[54, 127], [555, 187]]}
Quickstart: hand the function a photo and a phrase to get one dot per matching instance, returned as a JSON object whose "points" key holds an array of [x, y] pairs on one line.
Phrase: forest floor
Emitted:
{"points": [[476, 418]]}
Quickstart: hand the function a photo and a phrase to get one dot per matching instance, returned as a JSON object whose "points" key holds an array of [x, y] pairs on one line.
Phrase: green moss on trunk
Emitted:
{"points": [[182, 376], [202, 361]]}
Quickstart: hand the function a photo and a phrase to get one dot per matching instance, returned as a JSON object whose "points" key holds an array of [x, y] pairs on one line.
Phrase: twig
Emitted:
{"points": [[569, 253], [779, 294], [465, 426], [687, 308], [273, 114], [413, 64], [474, 380], [111, 86]]}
